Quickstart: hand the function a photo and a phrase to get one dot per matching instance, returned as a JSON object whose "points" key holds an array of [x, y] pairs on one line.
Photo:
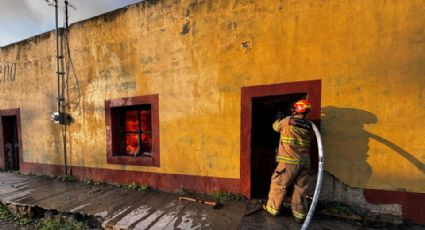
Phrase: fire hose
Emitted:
{"points": [[319, 178]]}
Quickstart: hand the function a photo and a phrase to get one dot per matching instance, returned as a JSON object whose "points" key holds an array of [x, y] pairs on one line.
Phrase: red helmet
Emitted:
{"points": [[302, 106]]}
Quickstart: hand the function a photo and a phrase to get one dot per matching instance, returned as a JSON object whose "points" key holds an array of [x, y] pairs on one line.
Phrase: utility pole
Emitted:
{"points": [[60, 117], [66, 117], [66, 14], [59, 75]]}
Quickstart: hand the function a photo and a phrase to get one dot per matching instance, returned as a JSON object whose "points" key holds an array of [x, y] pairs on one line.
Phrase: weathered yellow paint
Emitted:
{"points": [[369, 55]]}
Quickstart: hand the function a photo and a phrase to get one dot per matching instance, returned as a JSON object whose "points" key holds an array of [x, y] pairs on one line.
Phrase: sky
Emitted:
{"points": [[21, 19]]}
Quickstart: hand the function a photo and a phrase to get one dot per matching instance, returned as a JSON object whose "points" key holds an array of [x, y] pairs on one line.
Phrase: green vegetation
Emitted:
{"points": [[40, 224], [92, 182], [219, 195], [59, 223], [66, 178], [183, 192], [339, 208], [136, 187], [9, 217], [42, 175]]}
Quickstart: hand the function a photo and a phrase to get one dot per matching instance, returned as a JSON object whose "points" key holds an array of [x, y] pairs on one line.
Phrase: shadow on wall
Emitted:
{"points": [[347, 139]]}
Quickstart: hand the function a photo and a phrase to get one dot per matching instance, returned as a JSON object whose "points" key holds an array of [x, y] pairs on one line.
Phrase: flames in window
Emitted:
{"points": [[138, 137]]}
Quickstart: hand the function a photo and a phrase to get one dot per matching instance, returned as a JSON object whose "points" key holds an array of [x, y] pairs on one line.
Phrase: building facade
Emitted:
{"points": [[182, 94]]}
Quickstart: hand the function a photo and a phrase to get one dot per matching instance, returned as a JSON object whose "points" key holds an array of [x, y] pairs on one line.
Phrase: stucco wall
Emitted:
{"points": [[198, 54]]}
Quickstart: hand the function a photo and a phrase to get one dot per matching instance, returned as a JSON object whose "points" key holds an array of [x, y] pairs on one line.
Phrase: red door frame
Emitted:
{"points": [[311, 88], [17, 113]]}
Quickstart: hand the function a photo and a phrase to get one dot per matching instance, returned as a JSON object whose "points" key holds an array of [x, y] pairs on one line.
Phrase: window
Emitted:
{"points": [[135, 132], [132, 130]]}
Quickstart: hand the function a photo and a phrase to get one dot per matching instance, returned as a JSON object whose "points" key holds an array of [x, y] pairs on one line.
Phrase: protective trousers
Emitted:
{"points": [[284, 176]]}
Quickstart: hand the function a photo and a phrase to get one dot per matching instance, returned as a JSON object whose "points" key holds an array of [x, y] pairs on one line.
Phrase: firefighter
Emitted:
{"points": [[293, 158]]}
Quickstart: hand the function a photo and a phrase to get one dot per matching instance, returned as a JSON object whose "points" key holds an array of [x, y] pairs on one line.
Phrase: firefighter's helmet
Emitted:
{"points": [[302, 106]]}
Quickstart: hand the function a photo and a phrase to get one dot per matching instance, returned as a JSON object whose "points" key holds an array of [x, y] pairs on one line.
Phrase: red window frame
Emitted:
{"points": [[113, 108]]}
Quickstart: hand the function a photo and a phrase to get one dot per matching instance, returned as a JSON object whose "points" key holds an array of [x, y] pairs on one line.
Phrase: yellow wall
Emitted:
{"points": [[369, 55]]}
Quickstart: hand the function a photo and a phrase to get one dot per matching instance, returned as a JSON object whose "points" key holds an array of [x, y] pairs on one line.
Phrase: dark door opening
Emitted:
{"points": [[264, 140], [10, 143]]}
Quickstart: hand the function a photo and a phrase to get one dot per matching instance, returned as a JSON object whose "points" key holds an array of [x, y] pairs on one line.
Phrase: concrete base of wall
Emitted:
{"points": [[377, 206], [333, 190]]}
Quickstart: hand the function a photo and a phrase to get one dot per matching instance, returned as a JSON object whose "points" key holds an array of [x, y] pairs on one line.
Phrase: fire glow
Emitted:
{"points": [[132, 132]]}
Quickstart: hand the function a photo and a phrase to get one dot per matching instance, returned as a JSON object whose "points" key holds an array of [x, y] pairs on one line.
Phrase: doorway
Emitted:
{"points": [[264, 140], [259, 106], [9, 140]]}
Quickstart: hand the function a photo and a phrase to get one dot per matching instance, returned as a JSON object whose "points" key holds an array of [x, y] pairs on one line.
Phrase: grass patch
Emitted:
{"points": [[59, 223], [87, 181], [137, 187], [66, 178], [40, 224], [9, 217], [219, 195]]}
